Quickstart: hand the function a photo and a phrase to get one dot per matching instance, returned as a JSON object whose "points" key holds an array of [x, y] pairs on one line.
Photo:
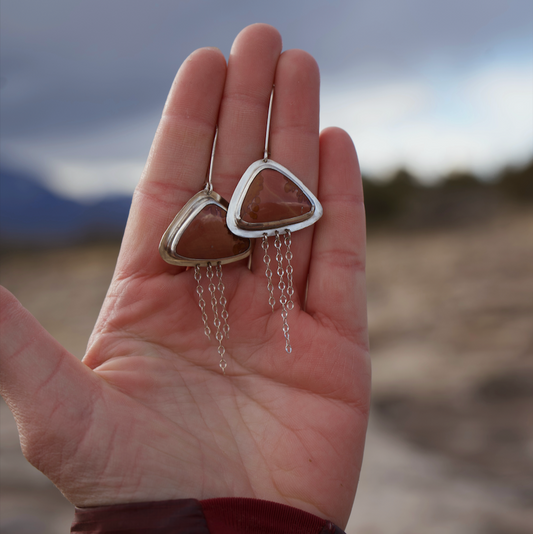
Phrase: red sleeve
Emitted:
{"points": [[214, 516]]}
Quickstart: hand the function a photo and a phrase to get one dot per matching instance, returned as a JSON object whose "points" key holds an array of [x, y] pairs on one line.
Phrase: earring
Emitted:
{"points": [[199, 237], [270, 200]]}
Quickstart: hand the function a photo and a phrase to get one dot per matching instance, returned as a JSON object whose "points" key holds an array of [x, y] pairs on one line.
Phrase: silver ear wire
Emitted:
{"points": [[266, 153], [209, 183]]}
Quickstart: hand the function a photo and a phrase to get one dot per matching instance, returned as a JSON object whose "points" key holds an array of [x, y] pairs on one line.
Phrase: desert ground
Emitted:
{"points": [[450, 443]]}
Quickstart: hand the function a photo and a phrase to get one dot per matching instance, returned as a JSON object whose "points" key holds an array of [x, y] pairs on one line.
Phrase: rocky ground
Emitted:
{"points": [[450, 446]]}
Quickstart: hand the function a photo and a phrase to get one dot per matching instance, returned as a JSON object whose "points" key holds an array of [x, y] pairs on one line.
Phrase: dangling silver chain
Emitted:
{"points": [[289, 270], [214, 302], [221, 352], [222, 300], [268, 272], [201, 301], [216, 319], [282, 296]]}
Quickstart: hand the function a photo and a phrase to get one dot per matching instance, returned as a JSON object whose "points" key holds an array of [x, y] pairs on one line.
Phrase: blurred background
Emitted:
{"points": [[438, 97]]}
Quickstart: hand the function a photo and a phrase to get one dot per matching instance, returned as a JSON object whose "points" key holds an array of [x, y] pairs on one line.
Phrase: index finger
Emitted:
{"points": [[178, 161]]}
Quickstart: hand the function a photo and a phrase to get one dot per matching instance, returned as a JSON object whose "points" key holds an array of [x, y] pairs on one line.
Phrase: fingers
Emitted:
{"points": [[254, 66], [295, 139], [178, 160], [243, 113], [180, 153], [295, 116], [336, 292], [46, 387]]}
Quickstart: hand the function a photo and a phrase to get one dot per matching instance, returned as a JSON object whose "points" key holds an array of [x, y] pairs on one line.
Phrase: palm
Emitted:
{"points": [[157, 419]]}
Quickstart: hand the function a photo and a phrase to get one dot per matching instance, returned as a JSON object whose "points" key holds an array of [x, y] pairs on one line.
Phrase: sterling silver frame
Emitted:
{"points": [[247, 229], [170, 239]]}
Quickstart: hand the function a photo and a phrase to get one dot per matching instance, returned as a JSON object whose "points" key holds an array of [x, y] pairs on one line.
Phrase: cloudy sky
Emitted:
{"points": [[430, 86]]}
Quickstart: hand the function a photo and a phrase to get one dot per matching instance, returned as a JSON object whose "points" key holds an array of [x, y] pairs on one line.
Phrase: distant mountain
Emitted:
{"points": [[31, 214]]}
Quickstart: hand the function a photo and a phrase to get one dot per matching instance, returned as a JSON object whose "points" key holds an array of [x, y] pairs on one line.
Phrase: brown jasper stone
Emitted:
{"points": [[273, 197], [207, 237]]}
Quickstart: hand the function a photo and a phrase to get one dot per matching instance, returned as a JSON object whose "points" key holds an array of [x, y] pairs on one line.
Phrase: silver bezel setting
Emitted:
{"points": [[247, 229], [174, 232]]}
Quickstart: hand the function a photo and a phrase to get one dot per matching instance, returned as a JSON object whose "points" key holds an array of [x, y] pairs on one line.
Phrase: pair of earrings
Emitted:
{"points": [[269, 201]]}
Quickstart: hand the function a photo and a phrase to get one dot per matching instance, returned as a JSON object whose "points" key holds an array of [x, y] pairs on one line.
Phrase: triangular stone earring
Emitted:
{"points": [[199, 237], [270, 200]]}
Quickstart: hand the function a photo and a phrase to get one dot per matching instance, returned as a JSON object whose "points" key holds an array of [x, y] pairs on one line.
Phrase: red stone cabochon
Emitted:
{"points": [[273, 197], [207, 237]]}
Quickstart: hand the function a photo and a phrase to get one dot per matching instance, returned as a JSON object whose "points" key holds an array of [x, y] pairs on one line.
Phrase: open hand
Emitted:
{"points": [[148, 415]]}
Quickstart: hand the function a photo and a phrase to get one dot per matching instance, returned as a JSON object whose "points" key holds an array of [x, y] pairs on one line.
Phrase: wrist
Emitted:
{"points": [[213, 516]]}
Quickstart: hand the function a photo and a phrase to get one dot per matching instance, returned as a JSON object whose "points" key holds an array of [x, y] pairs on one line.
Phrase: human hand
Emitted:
{"points": [[148, 415]]}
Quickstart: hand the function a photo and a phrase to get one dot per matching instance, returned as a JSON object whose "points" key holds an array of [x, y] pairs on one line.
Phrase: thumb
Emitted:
{"points": [[47, 388]]}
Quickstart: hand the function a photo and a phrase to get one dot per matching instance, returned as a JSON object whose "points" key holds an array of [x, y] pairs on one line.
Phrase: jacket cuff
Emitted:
{"points": [[213, 516]]}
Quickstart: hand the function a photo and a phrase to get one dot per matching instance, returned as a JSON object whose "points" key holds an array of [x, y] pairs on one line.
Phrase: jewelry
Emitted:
{"points": [[270, 200], [199, 237]]}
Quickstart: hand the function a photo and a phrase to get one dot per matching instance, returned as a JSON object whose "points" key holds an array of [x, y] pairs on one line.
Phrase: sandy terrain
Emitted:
{"points": [[450, 447]]}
